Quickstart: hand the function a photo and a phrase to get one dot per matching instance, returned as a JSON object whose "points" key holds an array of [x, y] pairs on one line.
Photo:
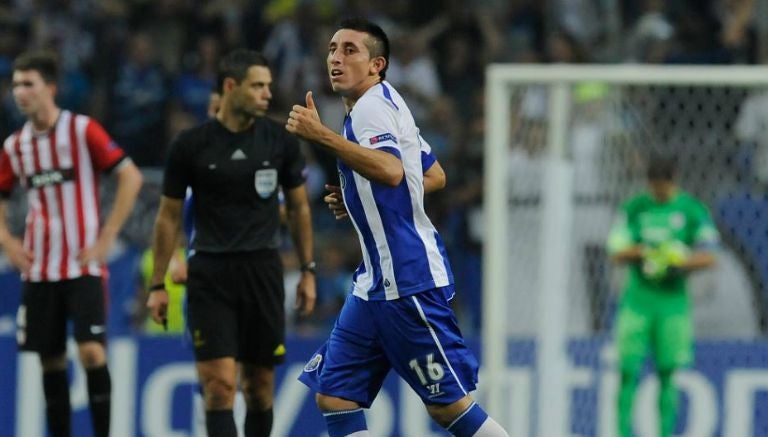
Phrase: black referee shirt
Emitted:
{"points": [[234, 179]]}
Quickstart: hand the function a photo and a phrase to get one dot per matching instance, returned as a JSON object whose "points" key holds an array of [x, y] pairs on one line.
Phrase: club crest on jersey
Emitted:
{"points": [[265, 181], [314, 363], [383, 137], [677, 220]]}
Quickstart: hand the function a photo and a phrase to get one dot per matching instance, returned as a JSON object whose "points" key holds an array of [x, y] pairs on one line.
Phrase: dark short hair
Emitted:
{"points": [[378, 43], [236, 64], [44, 62], [661, 167]]}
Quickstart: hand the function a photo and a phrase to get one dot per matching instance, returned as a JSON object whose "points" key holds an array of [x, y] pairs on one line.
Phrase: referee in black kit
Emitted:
{"points": [[235, 165]]}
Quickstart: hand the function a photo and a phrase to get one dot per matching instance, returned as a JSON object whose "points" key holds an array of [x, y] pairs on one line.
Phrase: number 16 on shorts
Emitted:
{"points": [[430, 369]]}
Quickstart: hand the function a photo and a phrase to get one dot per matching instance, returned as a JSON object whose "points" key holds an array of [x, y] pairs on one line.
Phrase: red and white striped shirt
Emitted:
{"points": [[59, 170]]}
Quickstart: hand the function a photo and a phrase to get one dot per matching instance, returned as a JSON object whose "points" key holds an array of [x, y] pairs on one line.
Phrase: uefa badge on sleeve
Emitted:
{"points": [[313, 364]]}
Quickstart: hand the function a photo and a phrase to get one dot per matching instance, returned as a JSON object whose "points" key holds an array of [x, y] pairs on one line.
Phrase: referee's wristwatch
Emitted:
{"points": [[310, 267]]}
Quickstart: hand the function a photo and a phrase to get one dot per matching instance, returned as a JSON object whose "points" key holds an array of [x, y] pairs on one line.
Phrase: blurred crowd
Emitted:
{"points": [[145, 68]]}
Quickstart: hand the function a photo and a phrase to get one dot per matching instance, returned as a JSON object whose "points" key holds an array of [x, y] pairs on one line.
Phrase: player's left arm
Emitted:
{"points": [[434, 175], [434, 178], [107, 156], [706, 242], [375, 165], [299, 221], [699, 259], [129, 181]]}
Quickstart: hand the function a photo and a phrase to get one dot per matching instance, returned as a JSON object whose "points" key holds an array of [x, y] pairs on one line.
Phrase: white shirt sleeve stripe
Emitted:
{"points": [[52, 268]]}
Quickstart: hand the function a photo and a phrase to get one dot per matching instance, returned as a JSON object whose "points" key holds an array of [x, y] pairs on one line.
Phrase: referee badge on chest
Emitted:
{"points": [[265, 181]]}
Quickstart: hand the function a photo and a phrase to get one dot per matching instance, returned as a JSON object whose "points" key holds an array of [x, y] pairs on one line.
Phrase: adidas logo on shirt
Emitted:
{"points": [[238, 155]]}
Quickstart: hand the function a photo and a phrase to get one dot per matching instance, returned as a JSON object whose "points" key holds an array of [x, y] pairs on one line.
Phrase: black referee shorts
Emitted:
{"points": [[46, 306], [235, 306]]}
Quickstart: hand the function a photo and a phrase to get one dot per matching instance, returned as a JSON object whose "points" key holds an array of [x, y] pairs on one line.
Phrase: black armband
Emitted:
{"points": [[157, 287], [310, 267]]}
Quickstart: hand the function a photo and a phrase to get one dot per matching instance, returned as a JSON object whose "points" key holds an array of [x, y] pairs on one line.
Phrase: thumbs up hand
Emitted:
{"points": [[310, 101], [304, 121]]}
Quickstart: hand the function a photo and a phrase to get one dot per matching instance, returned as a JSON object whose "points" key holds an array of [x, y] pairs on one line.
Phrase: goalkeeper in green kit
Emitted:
{"points": [[661, 235]]}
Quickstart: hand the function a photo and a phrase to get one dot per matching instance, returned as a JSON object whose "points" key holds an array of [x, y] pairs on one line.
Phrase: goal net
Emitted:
{"points": [[565, 145]]}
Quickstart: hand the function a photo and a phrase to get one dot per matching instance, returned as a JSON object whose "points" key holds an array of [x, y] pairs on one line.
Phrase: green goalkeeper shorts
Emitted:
{"points": [[659, 324]]}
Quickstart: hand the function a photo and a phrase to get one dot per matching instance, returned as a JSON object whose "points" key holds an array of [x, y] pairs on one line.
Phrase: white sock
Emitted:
{"points": [[360, 434], [490, 428]]}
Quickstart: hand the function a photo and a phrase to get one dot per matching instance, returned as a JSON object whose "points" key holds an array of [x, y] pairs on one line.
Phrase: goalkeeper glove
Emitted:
{"points": [[654, 265], [665, 260], [675, 252]]}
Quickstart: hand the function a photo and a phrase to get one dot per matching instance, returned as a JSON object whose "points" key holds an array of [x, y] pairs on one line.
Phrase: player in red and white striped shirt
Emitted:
{"points": [[57, 157]]}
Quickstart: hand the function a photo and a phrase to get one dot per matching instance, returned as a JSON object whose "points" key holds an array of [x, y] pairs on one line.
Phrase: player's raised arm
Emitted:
{"points": [[374, 165]]}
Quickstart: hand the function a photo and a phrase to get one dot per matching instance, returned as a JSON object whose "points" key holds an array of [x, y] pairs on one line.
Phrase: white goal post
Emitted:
{"points": [[549, 389]]}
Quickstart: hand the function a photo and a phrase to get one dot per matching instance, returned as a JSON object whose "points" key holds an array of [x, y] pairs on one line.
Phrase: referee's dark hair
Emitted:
{"points": [[377, 44], [236, 64], [44, 62], [661, 167]]}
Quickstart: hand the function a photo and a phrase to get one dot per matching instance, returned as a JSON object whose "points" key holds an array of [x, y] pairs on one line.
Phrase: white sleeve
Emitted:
{"points": [[375, 124], [424, 146]]}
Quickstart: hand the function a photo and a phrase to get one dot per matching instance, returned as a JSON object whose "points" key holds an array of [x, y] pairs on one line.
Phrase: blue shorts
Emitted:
{"points": [[417, 335]]}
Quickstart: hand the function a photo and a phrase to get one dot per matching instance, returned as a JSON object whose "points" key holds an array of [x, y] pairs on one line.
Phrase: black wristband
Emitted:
{"points": [[310, 267], [157, 287]]}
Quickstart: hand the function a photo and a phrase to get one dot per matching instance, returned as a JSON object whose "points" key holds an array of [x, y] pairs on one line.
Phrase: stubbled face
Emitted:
{"points": [[31, 92], [350, 67], [252, 95]]}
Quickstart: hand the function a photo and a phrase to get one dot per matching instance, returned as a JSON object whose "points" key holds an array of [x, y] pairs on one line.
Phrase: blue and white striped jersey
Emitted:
{"points": [[402, 252]]}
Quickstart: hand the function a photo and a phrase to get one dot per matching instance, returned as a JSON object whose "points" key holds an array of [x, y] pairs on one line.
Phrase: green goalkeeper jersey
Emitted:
{"points": [[643, 220]]}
